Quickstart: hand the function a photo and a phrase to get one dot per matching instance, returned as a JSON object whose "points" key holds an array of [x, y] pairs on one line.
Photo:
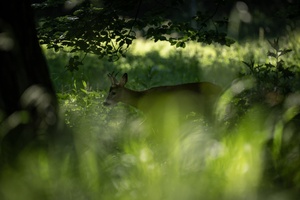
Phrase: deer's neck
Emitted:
{"points": [[132, 97]]}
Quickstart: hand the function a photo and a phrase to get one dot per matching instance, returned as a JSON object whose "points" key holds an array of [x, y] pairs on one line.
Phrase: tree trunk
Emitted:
{"points": [[28, 106], [21, 58]]}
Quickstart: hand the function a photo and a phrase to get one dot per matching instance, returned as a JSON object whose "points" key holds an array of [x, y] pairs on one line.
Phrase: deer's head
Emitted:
{"points": [[116, 90]]}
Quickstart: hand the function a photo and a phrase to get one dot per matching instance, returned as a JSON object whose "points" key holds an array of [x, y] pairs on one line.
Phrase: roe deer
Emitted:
{"points": [[197, 97]]}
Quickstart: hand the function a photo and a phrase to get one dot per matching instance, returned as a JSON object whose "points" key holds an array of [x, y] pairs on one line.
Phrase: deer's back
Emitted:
{"points": [[197, 97]]}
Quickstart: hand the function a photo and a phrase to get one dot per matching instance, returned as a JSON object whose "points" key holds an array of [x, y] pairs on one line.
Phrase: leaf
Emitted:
{"points": [[180, 44], [285, 51], [84, 84], [109, 47], [78, 12], [229, 42], [250, 65], [274, 55], [122, 42], [163, 38], [74, 84], [128, 41], [84, 91], [104, 33], [274, 44], [269, 65], [172, 42], [183, 45]]}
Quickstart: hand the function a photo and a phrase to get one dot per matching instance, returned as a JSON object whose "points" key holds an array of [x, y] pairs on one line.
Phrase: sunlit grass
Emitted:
{"points": [[151, 64]]}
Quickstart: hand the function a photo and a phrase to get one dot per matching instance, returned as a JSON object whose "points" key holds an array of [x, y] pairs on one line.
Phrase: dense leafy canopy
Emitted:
{"points": [[107, 28]]}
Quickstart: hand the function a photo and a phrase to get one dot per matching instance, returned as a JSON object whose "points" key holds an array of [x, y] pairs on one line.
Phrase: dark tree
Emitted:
{"points": [[27, 98], [22, 61]]}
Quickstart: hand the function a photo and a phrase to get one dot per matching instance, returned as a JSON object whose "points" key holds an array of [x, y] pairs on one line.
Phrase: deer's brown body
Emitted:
{"points": [[198, 97]]}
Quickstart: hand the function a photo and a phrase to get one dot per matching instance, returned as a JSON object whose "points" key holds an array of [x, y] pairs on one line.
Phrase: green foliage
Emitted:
{"points": [[267, 84], [74, 64], [274, 77], [79, 101], [108, 29], [275, 87]]}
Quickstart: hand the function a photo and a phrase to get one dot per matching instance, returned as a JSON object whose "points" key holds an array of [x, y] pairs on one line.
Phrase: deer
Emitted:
{"points": [[198, 97]]}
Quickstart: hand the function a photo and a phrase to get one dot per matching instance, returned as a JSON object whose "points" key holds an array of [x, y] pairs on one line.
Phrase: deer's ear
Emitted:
{"points": [[123, 80]]}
